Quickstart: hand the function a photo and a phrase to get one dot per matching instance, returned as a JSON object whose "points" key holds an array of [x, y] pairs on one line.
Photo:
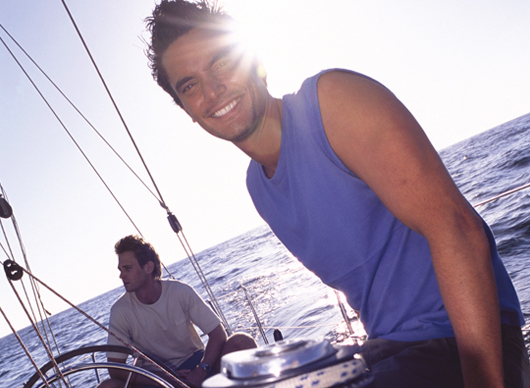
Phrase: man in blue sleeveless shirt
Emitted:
{"points": [[348, 181]]}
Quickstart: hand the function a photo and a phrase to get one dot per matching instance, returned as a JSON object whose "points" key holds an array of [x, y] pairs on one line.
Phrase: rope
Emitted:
{"points": [[10, 254]]}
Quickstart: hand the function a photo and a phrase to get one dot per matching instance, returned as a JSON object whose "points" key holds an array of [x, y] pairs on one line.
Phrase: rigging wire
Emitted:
{"points": [[171, 217], [175, 222], [162, 202], [68, 132], [160, 199], [86, 315], [24, 347], [87, 121], [39, 303], [35, 328], [79, 112], [44, 321], [502, 195]]}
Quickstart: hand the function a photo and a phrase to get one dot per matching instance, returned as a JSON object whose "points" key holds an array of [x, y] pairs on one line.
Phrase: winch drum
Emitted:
{"points": [[293, 363]]}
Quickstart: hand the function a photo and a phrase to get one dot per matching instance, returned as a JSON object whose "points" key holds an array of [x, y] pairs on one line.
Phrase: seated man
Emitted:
{"points": [[157, 316]]}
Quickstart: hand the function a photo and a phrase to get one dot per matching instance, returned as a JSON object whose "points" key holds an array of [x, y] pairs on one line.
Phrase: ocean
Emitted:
{"points": [[283, 294]]}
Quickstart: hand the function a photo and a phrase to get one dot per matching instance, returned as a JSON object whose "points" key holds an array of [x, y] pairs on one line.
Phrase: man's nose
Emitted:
{"points": [[213, 88]]}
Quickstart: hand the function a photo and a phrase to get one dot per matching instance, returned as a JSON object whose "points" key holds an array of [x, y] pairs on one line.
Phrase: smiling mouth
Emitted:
{"points": [[226, 109]]}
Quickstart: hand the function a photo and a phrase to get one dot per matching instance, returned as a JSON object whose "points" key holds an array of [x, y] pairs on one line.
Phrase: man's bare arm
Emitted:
{"points": [[212, 353], [377, 138]]}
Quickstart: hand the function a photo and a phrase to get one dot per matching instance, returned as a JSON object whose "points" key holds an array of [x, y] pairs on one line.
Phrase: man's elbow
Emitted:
{"points": [[220, 333]]}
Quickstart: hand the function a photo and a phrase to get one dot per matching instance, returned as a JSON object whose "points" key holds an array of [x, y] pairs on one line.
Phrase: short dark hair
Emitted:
{"points": [[170, 20], [143, 251]]}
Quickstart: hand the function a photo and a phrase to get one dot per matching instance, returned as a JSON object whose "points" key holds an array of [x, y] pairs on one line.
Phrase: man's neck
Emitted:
{"points": [[263, 146], [150, 293]]}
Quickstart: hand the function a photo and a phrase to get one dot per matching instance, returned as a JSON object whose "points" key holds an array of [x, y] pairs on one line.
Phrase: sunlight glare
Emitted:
{"points": [[252, 45]]}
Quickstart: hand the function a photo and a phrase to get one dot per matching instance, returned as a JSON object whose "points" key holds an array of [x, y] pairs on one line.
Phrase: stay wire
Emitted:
{"points": [[208, 288], [162, 202], [122, 119], [33, 324], [89, 123], [10, 254], [72, 138], [194, 262], [24, 347], [79, 112], [42, 332], [35, 287], [95, 130], [508, 192], [69, 134]]}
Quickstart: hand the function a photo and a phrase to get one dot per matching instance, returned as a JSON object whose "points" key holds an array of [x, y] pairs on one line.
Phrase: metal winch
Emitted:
{"points": [[293, 363]]}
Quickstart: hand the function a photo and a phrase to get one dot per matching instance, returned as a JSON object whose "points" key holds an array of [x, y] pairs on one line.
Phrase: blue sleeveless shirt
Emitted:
{"points": [[339, 229]]}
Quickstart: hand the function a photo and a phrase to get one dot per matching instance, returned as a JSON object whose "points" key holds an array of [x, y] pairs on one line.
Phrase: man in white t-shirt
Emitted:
{"points": [[158, 317]]}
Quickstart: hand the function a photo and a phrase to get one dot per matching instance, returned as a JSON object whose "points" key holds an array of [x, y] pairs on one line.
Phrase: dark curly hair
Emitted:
{"points": [[170, 20], [143, 251]]}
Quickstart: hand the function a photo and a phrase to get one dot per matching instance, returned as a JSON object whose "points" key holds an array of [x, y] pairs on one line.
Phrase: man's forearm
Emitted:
{"points": [[467, 284], [214, 347]]}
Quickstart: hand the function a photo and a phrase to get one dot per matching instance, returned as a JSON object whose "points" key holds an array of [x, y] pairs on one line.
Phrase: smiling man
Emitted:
{"points": [[200, 64], [157, 317], [348, 181]]}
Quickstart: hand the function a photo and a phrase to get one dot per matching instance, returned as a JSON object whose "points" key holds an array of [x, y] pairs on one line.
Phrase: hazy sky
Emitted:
{"points": [[460, 67]]}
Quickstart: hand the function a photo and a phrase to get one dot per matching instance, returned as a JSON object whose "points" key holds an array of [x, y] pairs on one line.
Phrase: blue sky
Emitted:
{"points": [[460, 67]]}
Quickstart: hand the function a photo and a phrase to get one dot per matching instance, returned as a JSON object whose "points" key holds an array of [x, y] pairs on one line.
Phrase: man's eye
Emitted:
{"points": [[222, 64], [185, 88]]}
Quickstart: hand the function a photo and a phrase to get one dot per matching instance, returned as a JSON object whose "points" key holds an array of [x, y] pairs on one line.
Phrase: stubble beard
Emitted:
{"points": [[255, 122]]}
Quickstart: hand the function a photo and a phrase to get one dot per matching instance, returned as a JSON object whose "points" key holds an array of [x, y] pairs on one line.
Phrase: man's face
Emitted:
{"points": [[217, 84], [133, 276]]}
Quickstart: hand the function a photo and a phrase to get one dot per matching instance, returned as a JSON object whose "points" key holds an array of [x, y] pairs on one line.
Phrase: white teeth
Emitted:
{"points": [[226, 109]]}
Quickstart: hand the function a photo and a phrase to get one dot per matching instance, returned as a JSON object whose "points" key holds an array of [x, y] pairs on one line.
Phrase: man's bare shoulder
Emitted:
{"points": [[335, 84], [352, 104]]}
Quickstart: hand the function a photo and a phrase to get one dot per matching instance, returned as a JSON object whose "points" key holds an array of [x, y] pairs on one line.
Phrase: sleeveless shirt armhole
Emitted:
{"points": [[312, 91]]}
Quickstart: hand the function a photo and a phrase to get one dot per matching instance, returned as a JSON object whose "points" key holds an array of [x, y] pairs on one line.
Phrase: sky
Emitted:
{"points": [[460, 67]]}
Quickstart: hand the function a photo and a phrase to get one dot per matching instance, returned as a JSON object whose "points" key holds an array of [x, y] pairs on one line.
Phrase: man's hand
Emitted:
{"points": [[193, 378]]}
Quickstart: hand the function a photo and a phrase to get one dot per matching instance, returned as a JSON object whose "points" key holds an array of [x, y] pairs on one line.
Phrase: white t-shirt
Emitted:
{"points": [[165, 328]]}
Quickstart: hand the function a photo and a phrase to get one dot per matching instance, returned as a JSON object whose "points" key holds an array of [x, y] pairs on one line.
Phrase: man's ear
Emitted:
{"points": [[149, 267]]}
